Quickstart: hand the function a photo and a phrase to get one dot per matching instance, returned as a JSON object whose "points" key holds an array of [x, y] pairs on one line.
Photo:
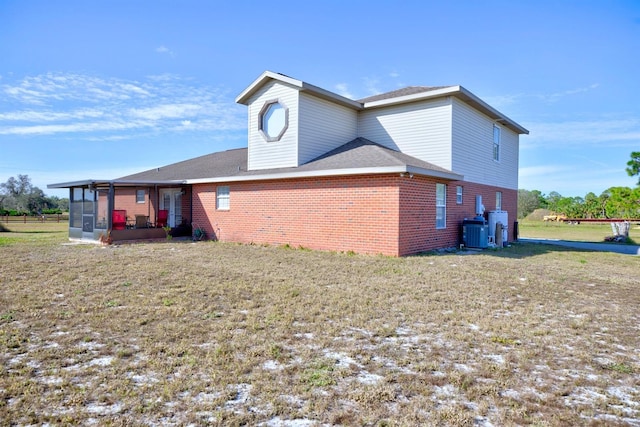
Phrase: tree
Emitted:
{"points": [[623, 202], [529, 201], [19, 195], [633, 168], [592, 206], [553, 199], [17, 187]]}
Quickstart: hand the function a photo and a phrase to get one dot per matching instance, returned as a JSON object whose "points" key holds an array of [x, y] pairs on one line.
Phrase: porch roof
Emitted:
{"points": [[101, 183]]}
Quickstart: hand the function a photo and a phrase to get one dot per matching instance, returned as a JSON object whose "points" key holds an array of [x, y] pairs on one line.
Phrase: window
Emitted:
{"points": [[273, 120], [459, 194], [222, 198], [140, 196], [496, 143], [441, 206], [498, 200]]}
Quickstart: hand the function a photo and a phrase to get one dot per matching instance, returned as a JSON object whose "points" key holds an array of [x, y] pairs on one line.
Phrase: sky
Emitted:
{"points": [[102, 89]]}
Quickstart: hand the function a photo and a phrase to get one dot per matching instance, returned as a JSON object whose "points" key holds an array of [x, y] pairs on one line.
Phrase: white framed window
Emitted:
{"points": [[459, 194], [140, 195], [273, 120], [498, 200], [222, 197], [496, 143], [441, 206]]}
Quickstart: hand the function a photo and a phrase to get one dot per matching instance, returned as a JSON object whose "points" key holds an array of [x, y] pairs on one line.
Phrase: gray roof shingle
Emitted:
{"points": [[409, 90], [356, 154]]}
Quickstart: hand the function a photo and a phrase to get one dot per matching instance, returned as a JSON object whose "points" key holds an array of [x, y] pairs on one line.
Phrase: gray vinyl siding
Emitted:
{"points": [[419, 129], [473, 149], [323, 126], [276, 154]]}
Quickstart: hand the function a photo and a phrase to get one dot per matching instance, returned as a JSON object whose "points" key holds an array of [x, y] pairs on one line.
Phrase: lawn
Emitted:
{"points": [[584, 232], [177, 333]]}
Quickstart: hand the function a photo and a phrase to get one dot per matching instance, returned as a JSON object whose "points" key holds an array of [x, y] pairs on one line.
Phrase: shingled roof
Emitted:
{"points": [[356, 155], [409, 90]]}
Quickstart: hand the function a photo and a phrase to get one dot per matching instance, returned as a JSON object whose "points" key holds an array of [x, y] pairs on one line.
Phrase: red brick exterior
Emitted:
{"points": [[375, 214]]}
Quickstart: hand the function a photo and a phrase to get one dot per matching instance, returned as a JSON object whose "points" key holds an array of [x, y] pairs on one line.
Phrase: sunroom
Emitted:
{"points": [[121, 210]]}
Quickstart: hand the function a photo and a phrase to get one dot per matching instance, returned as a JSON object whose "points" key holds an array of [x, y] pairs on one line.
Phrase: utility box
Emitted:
{"points": [[494, 218], [475, 233]]}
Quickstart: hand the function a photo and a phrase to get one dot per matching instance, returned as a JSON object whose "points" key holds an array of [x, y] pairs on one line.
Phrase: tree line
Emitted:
{"points": [[615, 202], [19, 197]]}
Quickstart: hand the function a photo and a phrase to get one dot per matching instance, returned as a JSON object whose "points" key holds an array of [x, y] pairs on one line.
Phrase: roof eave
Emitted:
{"points": [[487, 109], [331, 172], [459, 92], [246, 94], [121, 182], [437, 93]]}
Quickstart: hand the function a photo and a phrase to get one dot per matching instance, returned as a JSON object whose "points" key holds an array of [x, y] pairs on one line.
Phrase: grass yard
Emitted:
{"points": [[584, 232], [177, 333]]}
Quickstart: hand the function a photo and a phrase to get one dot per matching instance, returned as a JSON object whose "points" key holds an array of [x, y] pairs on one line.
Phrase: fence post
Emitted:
{"points": [[25, 218]]}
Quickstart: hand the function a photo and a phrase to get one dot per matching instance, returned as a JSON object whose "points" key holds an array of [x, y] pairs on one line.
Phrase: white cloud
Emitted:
{"points": [[47, 116], [343, 89], [571, 180], [615, 132], [371, 85], [168, 111], [109, 108], [553, 97], [164, 50], [500, 101]]}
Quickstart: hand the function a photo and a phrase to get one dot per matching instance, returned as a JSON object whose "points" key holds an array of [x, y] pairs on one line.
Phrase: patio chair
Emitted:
{"points": [[161, 220], [142, 221], [119, 219]]}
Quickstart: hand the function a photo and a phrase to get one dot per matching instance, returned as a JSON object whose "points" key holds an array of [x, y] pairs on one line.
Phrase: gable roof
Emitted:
{"points": [[421, 93], [267, 76], [399, 96], [359, 156]]}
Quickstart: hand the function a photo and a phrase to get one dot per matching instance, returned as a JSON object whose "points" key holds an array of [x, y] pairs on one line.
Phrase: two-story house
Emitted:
{"points": [[394, 173]]}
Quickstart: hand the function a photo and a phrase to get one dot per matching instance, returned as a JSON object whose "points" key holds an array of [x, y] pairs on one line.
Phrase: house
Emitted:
{"points": [[395, 173]]}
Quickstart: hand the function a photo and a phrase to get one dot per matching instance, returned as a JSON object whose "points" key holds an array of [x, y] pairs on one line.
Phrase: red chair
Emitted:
{"points": [[161, 220], [119, 220]]}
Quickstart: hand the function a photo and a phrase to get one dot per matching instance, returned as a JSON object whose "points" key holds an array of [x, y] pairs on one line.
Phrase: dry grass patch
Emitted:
{"points": [[208, 333]]}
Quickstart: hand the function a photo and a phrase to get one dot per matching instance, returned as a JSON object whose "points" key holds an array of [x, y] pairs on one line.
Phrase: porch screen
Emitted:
{"points": [[75, 207]]}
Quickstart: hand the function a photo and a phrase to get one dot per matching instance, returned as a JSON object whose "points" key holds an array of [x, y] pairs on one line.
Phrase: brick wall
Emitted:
{"points": [[389, 214], [418, 217], [457, 213], [344, 213]]}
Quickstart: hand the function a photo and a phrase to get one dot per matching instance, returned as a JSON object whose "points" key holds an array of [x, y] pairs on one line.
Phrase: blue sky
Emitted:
{"points": [[101, 89]]}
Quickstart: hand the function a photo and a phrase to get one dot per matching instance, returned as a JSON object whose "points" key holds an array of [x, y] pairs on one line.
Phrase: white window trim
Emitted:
{"points": [[144, 196], [497, 137], [498, 200], [459, 194], [440, 206], [223, 198]]}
